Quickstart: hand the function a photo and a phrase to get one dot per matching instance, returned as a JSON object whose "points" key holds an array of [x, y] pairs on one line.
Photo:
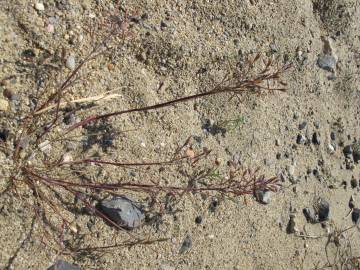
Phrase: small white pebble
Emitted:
{"points": [[92, 16], [211, 236], [39, 6], [67, 158], [50, 28], [70, 62], [45, 146], [331, 149], [143, 144]]}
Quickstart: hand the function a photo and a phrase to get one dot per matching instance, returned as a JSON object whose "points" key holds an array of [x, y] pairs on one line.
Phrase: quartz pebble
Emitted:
{"points": [[39, 6]]}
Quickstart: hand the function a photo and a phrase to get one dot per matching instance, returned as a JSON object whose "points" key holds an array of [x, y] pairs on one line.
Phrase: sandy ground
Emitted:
{"points": [[179, 48]]}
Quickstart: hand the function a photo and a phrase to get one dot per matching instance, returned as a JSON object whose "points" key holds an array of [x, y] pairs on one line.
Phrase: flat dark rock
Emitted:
{"points": [[123, 212]]}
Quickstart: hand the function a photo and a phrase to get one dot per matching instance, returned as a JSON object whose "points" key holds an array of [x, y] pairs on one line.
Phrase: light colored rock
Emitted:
{"points": [[39, 6], [4, 105]]}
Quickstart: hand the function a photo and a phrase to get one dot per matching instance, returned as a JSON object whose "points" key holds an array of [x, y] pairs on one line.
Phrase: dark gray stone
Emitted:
{"points": [[322, 208], [62, 265], [186, 244], [333, 136], [310, 215], [355, 215], [263, 196], [123, 212], [356, 151], [353, 182], [348, 150], [300, 139], [327, 62], [316, 138], [302, 125], [319, 213], [290, 228]]}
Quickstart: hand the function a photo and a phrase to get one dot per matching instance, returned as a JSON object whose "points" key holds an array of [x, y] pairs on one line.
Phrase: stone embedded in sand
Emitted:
{"points": [[356, 151], [123, 212], [319, 213], [310, 215], [355, 216], [263, 196], [186, 245], [322, 208], [327, 62], [62, 265]]}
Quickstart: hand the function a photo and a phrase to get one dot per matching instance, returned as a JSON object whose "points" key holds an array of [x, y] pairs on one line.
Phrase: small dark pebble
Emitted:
{"points": [[344, 184], [300, 139], [186, 244], [348, 150], [4, 134], [278, 156], [353, 182], [302, 125], [62, 265], [198, 220], [316, 138], [213, 205], [333, 136], [290, 228], [28, 53], [163, 24], [310, 215], [322, 209], [355, 215], [356, 152]]}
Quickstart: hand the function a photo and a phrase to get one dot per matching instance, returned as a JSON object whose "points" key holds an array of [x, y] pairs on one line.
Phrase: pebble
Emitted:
{"points": [[300, 139], [327, 62], [213, 205], [198, 220], [331, 148], [70, 62], [4, 134], [333, 136], [9, 94], [322, 208], [355, 216], [348, 150], [263, 196], [186, 245], [45, 147], [319, 213], [63, 265], [316, 138], [39, 6], [310, 215], [356, 151], [123, 212], [353, 182], [302, 125], [290, 228], [4, 105]]}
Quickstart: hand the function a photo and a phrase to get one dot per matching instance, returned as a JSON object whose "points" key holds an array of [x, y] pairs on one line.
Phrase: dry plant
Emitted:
{"points": [[55, 182]]}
